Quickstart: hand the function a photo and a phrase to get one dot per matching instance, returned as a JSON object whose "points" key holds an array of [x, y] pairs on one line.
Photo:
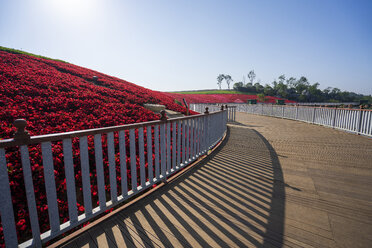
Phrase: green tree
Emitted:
{"points": [[238, 86], [268, 90]]}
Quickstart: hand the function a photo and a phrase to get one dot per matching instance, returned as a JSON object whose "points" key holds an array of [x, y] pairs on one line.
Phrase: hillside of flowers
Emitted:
{"points": [[222, 98], [53, 97]]}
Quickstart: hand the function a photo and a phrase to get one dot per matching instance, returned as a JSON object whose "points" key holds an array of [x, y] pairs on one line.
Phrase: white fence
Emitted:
{"points": [[170, 145], [200, 107], [351, 120], [324, 103]]}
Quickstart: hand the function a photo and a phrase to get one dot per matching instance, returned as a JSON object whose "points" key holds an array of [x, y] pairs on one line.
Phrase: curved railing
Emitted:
{"points": [[231, 109], [357, 121], [170, 145]]}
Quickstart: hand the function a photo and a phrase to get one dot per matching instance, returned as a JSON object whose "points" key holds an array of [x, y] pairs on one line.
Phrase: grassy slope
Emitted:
{"points": [[15, 51], [214, 92]]}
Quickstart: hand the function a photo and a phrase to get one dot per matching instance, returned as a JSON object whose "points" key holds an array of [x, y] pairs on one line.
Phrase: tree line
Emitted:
{"points": [[300, 90]]}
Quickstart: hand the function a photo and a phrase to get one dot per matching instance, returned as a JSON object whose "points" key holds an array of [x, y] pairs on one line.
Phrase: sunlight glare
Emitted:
{"points": [[75, 9]]}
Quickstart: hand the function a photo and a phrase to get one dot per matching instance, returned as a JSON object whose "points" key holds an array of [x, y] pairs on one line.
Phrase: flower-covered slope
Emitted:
{"points": [[54, 97]]}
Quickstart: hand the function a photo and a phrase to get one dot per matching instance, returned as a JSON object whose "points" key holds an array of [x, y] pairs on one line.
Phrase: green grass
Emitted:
{"points": [[15, 51], [214, 92]]}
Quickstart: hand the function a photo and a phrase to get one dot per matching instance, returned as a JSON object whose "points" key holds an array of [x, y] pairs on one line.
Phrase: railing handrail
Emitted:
{"points": [[5, 143]]}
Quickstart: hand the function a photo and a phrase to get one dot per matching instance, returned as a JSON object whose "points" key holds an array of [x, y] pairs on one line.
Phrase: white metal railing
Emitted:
{"points": [[199, 107], [358, 121], [323, 103], [171, 145]]}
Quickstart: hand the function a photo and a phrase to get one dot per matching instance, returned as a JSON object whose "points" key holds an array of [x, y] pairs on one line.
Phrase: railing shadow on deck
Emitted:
{"points": [[236, 197]]}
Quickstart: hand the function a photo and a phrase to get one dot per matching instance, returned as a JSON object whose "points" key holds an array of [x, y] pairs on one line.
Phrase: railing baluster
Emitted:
{"points": [[112, 166], [178, 143], [183, 142], [156, 142], [6, 206], [50, 186], [149, 155], [187, 141], [70, 180], [30, 193], [133, 159], [174, 145], [168, 144], [99, 169], [199, 136], [192, 143], [123, 164], [142, 157], [196, 138], [85, 174], [163, 158]]}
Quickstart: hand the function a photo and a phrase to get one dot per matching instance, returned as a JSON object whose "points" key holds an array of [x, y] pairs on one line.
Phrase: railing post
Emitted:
{"points": [[283, 111], [163, 146], [334, 117], [21, 134], [313, 115], [234, 114], [262, 109], [296, 113], [359, 121], [207, 131], [6, 205]]}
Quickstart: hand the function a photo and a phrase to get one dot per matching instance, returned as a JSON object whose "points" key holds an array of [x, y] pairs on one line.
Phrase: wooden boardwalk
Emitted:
{"points": [[272, 183]]}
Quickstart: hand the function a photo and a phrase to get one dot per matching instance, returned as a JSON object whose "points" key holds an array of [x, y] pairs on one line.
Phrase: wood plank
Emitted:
{"points": [[141, 152], [70, 180], [30, 194], [123, 163], [156, 143], [99, 169], [174, 145], [85, 174], [6, 206], [168, 145], [112, 167], [163, 157], [133, 160], [149, 155], [50, 186]]}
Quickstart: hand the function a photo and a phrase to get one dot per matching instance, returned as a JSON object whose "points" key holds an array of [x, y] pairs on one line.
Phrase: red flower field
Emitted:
{"points": [[57, 97]]}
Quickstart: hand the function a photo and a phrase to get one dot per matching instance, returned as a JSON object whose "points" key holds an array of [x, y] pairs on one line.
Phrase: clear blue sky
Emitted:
{"points": [[182, 45]]}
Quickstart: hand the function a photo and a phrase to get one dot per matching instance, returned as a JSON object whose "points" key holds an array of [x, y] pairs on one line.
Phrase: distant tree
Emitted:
{"points": [[238, 86], [251, 76], [259, 88], [220, 78], [228, 80], [301, 85], [268, 90]]}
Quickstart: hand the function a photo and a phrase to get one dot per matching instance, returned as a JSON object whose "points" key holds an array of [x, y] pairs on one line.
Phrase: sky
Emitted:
{"points": [[171, 45]]}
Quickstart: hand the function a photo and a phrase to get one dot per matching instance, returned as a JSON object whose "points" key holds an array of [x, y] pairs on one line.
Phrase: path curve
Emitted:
{"points": [[273, 183]]}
